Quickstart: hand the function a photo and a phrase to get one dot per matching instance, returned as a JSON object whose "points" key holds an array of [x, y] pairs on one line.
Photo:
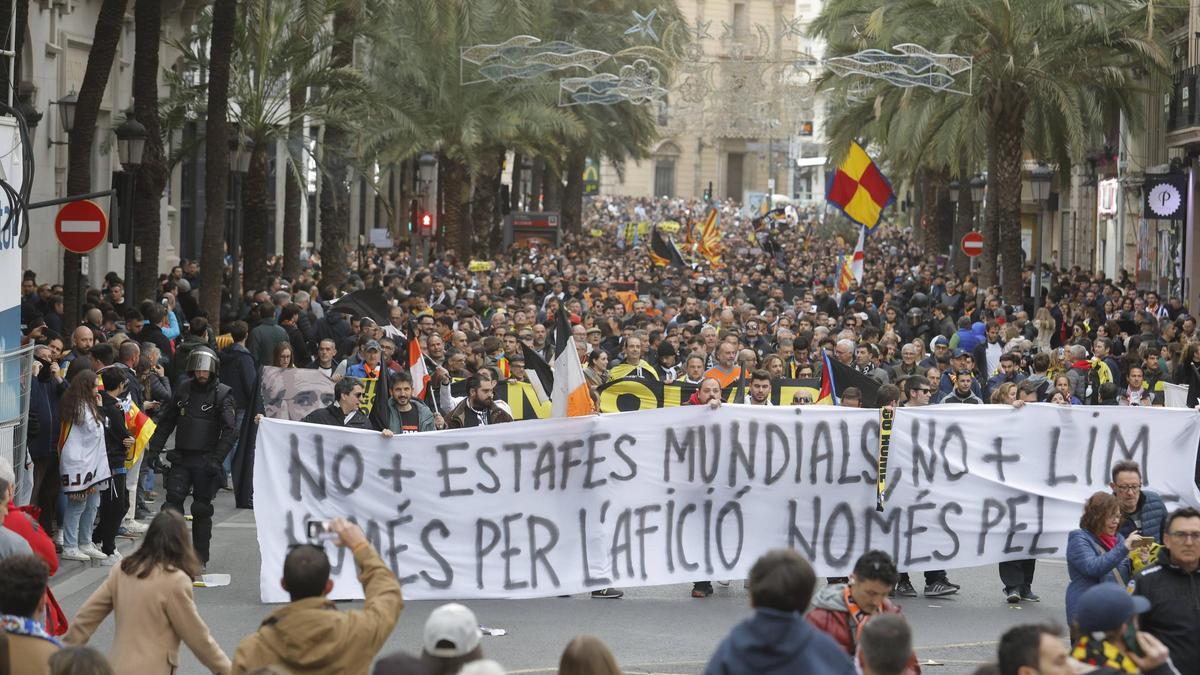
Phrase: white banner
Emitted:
{"points": [[551, 507]]}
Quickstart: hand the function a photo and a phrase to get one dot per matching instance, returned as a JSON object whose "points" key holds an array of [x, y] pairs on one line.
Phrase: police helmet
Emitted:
{"points": [[203, 358]]}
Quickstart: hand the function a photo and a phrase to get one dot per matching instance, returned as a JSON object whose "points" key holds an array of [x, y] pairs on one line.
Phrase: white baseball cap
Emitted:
{"points": [[453, 623]]}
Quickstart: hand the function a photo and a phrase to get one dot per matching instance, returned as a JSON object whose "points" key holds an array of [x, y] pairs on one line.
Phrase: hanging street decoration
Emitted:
{"points": [[907, 66], [523, 57]]}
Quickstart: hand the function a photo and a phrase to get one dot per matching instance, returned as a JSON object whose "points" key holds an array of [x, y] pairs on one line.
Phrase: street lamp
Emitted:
{"points": [[131, 142], [66, 110], [66, 116], [954, 187], [1039, 180], [978, 186]]}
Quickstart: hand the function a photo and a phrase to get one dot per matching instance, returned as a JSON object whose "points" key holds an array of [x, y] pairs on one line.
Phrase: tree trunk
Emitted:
{"points": [[483, 206], [83, 134], [216, 162], [293, 192], [536, 185], [152, 174], [335, 185], [572, 202], [256, 222], [962, 223], [1004, 176], [514, 194], [455, 182], [552, 190]]}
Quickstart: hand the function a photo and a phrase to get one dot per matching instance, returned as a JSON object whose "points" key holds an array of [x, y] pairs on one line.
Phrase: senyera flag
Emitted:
{"points": [[860, 189], [416, 365]]}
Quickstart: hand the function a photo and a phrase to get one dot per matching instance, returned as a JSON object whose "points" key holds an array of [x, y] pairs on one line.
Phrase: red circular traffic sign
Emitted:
{"points": [[972, 244], [81, 226]]}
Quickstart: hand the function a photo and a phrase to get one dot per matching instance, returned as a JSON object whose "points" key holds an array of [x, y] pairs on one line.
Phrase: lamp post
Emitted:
{"points": [[240, 150], [131, 142], [954, 188], [978, 192], [427, 166], [1039, 187]]}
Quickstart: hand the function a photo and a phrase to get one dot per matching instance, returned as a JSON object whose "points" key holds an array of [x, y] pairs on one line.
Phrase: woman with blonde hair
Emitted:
{"points": [[587, 655], [1005, 394], [150, 594], [1043, 321]]}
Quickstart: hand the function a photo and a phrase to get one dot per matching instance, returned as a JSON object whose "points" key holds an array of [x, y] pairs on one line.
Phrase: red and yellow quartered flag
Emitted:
{"points": [[859, 189]]}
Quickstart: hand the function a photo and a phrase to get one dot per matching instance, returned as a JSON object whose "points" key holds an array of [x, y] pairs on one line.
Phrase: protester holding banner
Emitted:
{"points": [[345, 411], [406, 415]]}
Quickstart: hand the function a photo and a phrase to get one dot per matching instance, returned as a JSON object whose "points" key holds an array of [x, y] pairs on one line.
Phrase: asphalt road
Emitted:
{"points": [[651, 630]]}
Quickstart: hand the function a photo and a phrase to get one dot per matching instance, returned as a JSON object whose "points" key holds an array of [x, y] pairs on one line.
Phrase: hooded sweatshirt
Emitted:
{"points": [[773, 642], [312, 636]]}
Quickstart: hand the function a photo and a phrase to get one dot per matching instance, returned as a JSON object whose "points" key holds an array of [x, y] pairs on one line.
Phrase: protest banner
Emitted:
{"points": [[292, 393], [552, 507]]}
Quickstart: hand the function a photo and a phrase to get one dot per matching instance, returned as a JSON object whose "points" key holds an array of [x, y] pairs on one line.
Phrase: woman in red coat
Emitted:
{"points": [[841, 610]]}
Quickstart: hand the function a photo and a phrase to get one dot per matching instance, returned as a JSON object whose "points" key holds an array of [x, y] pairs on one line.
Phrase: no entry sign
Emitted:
{"points": [[972, 244], [81, 226]]}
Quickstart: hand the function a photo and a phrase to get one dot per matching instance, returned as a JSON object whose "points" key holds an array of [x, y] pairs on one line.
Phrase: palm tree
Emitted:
{"points": [[1045, 74], [83, 134], [424, 106], [216, 158]]}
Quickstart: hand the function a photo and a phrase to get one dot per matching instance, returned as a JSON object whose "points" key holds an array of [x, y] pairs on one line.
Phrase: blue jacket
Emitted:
{"points": [[967, 340], [773, 642], [1088, 565], [1149, 517]]}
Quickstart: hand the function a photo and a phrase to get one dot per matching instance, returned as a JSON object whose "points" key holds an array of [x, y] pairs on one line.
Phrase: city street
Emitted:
{"points": [[650, 630]]}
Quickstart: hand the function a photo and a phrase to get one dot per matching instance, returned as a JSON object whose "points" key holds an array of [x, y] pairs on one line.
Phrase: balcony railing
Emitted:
{"points": [[1183, 104]]}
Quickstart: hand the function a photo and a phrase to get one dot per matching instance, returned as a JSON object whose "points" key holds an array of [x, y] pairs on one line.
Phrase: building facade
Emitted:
{"points": [[741, 116]]}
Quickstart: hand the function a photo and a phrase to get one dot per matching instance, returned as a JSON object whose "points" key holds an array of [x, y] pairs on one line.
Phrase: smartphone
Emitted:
{"points": [[1129, 637], [320, 530], [1142, 541]]}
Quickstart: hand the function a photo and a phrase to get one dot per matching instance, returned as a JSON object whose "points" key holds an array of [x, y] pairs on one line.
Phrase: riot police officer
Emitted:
{"points": [[201, 413]]}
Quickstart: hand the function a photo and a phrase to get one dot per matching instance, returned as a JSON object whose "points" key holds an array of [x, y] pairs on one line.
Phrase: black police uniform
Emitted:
{"points": [[202, 418]]}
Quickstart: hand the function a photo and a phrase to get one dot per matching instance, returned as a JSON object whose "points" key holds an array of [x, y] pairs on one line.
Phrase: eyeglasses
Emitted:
{"points": [[1128, 488], [1185, 536], [356, 394], [924, 391]]}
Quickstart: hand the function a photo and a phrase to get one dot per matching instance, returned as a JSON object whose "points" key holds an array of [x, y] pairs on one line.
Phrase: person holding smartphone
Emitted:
{"points": [[1095, 553]]}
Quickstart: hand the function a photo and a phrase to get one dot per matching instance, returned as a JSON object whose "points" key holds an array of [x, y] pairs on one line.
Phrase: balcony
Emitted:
{"points": [[1183, 108]]}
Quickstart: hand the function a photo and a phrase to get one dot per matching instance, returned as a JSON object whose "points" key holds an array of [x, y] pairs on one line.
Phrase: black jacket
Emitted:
{"points": [[239, 372], [332, 416], [115, 432], [1174, 616]]}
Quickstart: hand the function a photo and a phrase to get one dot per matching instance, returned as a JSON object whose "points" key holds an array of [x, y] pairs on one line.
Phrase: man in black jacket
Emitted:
{"points": [[344, 411], [202, 414], [239, 372], [1173, 588]]}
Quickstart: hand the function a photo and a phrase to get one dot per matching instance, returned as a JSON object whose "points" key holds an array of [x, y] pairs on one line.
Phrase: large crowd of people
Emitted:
{"points": [[768, 308]]}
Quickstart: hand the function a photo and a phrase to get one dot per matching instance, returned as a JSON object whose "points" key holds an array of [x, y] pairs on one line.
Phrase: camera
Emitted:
{"points": [[320, 531]]}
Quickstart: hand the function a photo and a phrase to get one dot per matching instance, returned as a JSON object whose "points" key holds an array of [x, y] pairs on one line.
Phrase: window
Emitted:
{"points": [[664, 177]]}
